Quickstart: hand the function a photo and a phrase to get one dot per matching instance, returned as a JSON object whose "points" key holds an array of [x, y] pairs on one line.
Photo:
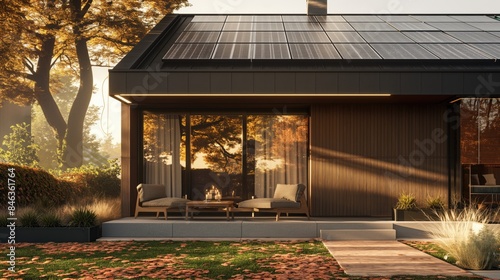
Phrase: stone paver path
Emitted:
{"points": [[388, 258]]}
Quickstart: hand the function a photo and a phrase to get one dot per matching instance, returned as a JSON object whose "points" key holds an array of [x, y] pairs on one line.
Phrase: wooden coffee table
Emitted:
{"points": [[213, 206]]}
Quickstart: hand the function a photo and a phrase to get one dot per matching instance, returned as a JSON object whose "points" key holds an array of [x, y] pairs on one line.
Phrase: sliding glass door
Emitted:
{"points": [[276, 152], [216, 154], [243, 155], [163, 151]]}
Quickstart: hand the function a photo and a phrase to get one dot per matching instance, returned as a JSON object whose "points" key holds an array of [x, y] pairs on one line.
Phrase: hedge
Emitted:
{"points": [[34, 186]]}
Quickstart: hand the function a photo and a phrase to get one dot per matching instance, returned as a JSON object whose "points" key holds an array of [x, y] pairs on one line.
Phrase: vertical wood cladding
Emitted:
{"points": [[129, 144], [364, 156]]}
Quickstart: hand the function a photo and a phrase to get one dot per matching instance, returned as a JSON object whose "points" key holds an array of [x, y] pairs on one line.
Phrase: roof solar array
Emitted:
{"points": [[337, 37]]}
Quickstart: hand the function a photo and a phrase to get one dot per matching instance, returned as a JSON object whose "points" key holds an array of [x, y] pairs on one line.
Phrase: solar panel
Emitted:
{"points": [[299, 19], [233, 51], [234, 18], [209, 19], [313, 51], [356, 51], [486, 26], [238, 26], [397, 18], [253, 26], [198, 37], [491, 49], [455, 51], [252, 37], [311, 37], [235, 37], [302, 26], [372, 26], [402, 51], [385, 37], [267, 18], [307, 37], [336, 26], [253, 18], [271, 51], [204, 26], [475, 37], [330, 19], [190, 51], [430, 37], [345, 37], [412, 26], [453, 26], [269, 37], [356, 18], [434, 18], [475, 18]]}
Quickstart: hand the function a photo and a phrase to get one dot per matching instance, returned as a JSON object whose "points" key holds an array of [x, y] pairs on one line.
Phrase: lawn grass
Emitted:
{"points": [[178, 260], [171, 260], [432, 249]]}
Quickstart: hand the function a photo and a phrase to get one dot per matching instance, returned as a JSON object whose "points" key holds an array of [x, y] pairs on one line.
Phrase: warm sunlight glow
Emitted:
{"points": [[122, 99], [259, 95]]}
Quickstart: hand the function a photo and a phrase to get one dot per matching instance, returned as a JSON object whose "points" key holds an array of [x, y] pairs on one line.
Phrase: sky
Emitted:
{"points": [[110, 119], [346, 6]]}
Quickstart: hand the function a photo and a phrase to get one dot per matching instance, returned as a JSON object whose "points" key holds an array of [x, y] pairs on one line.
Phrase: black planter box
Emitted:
{"points": [[414, 215], [52, 234]]}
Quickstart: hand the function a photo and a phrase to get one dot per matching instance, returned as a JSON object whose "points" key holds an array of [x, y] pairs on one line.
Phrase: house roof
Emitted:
{"points": [[428, 54]]}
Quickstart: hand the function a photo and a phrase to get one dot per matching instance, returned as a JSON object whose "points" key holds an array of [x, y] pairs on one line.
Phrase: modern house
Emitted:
{"points": [[359, 108]]}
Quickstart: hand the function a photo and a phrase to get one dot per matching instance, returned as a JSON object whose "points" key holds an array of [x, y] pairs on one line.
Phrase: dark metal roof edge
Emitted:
{"points": [[145, 45]]}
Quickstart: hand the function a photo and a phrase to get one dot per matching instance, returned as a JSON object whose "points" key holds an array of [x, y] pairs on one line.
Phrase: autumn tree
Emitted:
{"points": [[74, 35]]}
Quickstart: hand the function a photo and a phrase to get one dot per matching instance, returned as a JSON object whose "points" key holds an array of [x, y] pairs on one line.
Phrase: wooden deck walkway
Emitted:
{"points": [[388, 258]]}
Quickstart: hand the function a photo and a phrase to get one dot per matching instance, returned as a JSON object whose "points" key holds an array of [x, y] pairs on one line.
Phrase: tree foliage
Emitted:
{"points": [[40, 36], [20, 147]]}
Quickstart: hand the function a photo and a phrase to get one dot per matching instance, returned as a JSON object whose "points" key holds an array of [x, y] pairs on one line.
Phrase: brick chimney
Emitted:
{"points": [[317, 7]]}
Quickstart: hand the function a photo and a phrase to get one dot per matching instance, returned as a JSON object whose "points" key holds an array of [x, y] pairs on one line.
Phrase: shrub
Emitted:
{"points": [[83, 218], [29, 219], [466, 236], [3, 220], [406, 202], [50, 220], [95, 181], [34, 186]]}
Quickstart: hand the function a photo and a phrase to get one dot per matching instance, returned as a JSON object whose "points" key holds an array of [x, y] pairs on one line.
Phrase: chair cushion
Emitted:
{"points": [[286, 191], [166, 202], [490, 179], [150, 191], [474, 179], [268, 203]]}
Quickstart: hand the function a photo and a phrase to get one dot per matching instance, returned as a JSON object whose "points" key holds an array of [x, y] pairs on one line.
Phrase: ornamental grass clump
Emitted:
{"points": [[83, 218], [29, 218], [406, 202], [466, 235], [50, 220]]}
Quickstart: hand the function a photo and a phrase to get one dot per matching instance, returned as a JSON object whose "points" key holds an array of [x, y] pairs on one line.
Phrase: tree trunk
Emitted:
{"points": [[73, 152], [42, 90]]}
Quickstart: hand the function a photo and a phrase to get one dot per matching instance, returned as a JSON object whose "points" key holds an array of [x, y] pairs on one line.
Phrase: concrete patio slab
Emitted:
{"points": [[388, 258], [138, 228]]}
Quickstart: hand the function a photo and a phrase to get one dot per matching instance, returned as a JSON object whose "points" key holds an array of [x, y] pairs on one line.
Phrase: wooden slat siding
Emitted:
{"points": [[353, 147], [129, 144]]}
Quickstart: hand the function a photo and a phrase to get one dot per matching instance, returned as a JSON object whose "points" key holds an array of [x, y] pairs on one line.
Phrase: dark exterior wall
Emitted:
{"points": [[364, 156]]}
